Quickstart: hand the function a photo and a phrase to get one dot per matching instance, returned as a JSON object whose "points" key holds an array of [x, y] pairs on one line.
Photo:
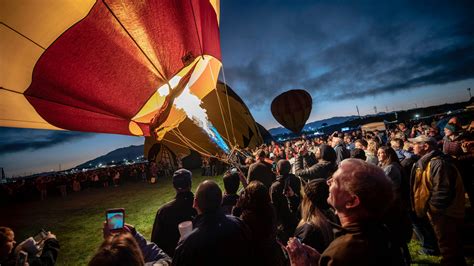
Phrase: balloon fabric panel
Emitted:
{"points": [[99, 73]]}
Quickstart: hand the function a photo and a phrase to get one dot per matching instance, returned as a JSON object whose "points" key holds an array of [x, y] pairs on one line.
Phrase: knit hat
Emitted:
{"points": [[451, 127]]}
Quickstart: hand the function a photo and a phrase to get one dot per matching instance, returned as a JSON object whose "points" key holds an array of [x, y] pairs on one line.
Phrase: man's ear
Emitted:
{"points": [[426, 146], [195, 203], [353, 202], [196, 206]]}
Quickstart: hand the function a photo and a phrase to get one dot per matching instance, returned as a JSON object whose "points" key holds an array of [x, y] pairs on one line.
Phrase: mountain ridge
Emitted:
{"points": [[129, 153], [314, 125]]}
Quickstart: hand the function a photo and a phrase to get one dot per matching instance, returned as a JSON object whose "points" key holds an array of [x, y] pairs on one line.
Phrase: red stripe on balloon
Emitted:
{"points": [[94, 74]]}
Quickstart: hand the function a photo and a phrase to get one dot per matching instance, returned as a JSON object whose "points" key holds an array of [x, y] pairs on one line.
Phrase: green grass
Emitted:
{"points": [[419, 259], [77, 219]]}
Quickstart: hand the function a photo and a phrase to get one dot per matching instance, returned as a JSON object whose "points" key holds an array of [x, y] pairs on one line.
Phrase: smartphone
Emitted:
{"points": [[21, 259], [40, 236], [115, 219]]}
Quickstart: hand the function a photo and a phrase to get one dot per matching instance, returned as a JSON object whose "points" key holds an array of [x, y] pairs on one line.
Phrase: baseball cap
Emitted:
{"points": [[182, 179], [422, 138]]}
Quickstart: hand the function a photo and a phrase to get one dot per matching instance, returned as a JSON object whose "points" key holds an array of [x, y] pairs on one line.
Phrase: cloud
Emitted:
{"points": [[368, 50], [17, 140]]}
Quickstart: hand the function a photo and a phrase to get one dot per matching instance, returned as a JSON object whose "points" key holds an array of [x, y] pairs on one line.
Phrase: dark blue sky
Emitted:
{"points": [[389, 54]]}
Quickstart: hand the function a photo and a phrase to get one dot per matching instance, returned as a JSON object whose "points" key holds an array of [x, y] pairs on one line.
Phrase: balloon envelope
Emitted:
{"points": [[292, 109], [96, 66]]}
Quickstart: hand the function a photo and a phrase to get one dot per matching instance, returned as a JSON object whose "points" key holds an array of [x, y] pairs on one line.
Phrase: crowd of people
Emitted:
{"points": [[353, 198], [63, 183]]}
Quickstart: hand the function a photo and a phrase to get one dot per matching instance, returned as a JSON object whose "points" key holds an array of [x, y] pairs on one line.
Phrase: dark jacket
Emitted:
{"points": [[436, 186], [362, 244], [228, 203], [165, 231], [217, 239], [152, 254], [262, 224], [341, 153], [286, 208], [311, 235], [325, 167], [394, 172], [261, 171]]}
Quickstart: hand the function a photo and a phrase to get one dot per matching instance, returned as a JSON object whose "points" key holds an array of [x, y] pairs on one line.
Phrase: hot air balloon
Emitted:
{"points": [[124, 67], [234, 121], [292, 109]]}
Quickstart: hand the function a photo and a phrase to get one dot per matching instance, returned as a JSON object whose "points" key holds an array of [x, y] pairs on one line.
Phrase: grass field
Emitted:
{"points": [[77, 219]]}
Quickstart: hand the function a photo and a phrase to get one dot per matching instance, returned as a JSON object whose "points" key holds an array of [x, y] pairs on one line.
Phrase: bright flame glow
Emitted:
{"points": [[191, 105]]}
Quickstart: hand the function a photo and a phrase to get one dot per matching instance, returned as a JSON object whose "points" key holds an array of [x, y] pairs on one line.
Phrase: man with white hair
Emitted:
{"points": [[361, 193]]}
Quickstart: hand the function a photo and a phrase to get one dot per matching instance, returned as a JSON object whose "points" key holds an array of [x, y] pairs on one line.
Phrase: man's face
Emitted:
{"points": [[8, 247], [338, 197], [419, 148]]}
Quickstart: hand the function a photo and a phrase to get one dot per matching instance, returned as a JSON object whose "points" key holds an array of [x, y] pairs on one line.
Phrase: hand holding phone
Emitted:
{"points": [[21, 259], [115, 219], [42, 234]]}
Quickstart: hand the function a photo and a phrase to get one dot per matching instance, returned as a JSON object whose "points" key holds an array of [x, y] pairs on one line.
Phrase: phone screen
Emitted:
{"points": [[115, 219]]}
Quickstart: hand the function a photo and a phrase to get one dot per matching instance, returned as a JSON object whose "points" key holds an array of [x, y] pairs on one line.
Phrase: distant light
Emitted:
{"points": [[417, 116], [449, 112]]}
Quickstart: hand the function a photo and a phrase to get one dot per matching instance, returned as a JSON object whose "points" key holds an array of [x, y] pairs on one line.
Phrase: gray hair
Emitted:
{"points": [[369, 183]]}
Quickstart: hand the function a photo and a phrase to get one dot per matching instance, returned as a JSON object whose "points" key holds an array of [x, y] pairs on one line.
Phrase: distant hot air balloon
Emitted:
{"points": [[292, 108]]}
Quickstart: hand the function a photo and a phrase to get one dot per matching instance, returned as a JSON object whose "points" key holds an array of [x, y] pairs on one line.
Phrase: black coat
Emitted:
{"points": [[217, 239], [362, 244], [311, 235], [286, 208], [165, 232]]}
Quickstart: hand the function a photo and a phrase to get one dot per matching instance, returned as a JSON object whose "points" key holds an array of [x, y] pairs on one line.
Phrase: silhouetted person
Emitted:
{"points": [[165, 231], [216, 239]]}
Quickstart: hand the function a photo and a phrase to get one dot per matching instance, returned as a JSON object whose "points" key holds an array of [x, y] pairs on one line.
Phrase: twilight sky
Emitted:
{"points": [[367, 53]]}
